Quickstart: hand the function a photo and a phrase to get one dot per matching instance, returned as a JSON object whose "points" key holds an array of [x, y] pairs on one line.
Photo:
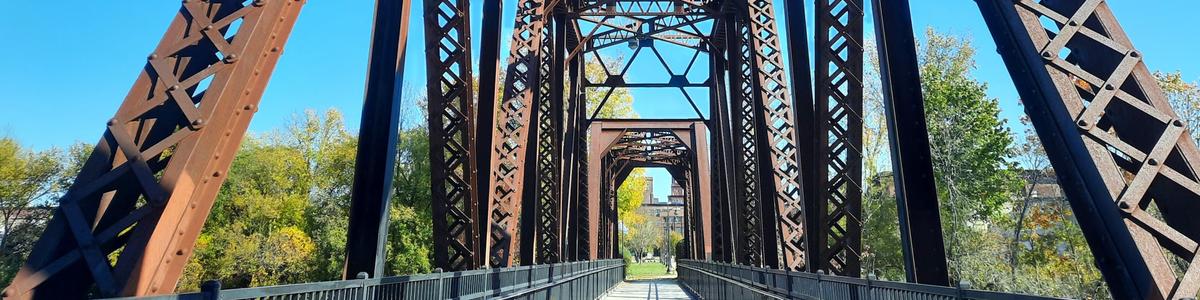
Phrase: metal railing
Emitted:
{"points": [[573, 280], [712, 280]]}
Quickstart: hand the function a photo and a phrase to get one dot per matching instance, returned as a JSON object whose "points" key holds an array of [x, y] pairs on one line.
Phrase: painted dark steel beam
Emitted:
{"points": [[836, 203], [485, 120], [375, 160], [916, 194], [1115, 143]]}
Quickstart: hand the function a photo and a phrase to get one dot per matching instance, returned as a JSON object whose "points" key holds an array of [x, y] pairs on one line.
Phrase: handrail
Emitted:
{"points": [[572, 280], [713, 280]]}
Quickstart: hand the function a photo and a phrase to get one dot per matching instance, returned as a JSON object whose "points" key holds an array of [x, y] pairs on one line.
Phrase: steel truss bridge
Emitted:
{"points": [[525, 172]]}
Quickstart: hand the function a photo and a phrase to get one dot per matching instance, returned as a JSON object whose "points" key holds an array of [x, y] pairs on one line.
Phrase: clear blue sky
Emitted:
{"points": [[67, 65]]}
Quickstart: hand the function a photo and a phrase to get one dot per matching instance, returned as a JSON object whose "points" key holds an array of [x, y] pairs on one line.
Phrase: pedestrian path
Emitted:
{"points": [[649, 289]]}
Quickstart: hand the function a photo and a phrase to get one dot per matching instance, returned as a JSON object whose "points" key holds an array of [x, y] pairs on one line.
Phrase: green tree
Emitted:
{"points": [[280, 216], [1184, 98], [971, 149], [29, 182]]}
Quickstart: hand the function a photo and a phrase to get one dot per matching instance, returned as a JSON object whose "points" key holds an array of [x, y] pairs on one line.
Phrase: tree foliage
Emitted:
{"points": [[983, 179], [30, 180]]}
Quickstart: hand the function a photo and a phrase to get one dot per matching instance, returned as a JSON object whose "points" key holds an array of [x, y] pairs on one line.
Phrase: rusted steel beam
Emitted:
{"points": [[375, 160], [779, 167], [134, 195], [835, 205], [510, 135], [1118, 148], [916, 195], [449, 86]]}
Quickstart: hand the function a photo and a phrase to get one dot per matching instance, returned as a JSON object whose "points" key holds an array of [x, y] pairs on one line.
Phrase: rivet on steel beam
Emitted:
{"points": [[1072, 23], [1123, 204], [231, 58], [1047, 55], [1109, 87], [275, 49], [1135, 54], [1177, 123], [207, 27], [179, 252], [216, 174], [1083, 124], [173, 87], [248, 107], [152, 56], [135, 157], [198, 123], [112, 122], [260, 2], [154, 289], [1152, 162]]}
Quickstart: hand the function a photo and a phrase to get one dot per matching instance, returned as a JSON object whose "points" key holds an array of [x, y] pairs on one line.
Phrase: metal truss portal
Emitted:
{"points": [[150, 182], [529, 171]]}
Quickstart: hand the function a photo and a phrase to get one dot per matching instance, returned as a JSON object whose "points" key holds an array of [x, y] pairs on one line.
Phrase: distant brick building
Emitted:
{"points": [[670, 213]]}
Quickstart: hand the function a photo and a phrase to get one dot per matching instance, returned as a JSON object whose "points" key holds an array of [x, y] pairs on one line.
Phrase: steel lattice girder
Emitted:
{"points": [[132, 193], [1112, 137], [776, 122], [455, 198], [541, 202], [510, 136], [836, 205], [746, 200]]}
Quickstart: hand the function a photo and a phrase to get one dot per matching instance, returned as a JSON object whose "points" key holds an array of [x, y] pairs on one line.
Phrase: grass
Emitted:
{"points": [[645, 270]]}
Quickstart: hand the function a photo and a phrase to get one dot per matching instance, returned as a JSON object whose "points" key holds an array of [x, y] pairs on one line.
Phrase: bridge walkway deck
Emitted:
{"points": [[650, 289]]}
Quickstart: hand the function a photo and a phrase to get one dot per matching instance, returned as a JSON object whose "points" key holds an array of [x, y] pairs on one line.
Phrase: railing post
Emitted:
{"points": [[870, 280], [362, 284], [210, 290], [439, 282]]}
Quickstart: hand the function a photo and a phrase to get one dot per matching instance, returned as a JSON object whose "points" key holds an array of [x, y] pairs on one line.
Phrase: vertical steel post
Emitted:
{"points": [[449, 88], [375, 160], [510, 136], [778, 150], [485, 114], [746, 201], [836, 234], [916, 195]]}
